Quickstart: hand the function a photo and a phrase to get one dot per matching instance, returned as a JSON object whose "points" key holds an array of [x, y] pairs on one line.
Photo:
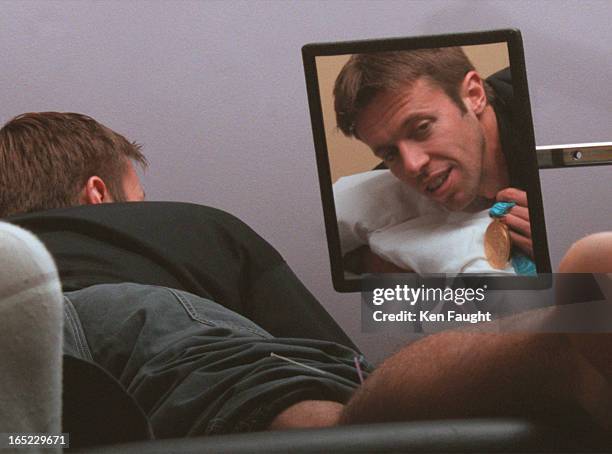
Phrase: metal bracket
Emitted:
{"points": [[573, 155]]}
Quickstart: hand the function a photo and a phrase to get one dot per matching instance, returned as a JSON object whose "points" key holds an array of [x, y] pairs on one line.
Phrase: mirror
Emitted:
{"points": [[417, 139]]}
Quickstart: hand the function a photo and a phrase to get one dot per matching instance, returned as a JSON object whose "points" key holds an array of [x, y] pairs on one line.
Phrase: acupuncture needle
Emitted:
{"points": [[298, 363]]}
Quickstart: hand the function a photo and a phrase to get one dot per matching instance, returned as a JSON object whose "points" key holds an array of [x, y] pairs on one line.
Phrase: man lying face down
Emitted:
{"points": [[140, 279], [439, 128], [208, 330]]}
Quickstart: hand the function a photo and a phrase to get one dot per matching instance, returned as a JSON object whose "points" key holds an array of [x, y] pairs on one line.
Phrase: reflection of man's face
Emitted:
{"points": [[426, 141]]}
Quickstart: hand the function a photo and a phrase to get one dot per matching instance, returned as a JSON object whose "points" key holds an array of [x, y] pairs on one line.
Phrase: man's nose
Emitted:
{"points": [[414, 159]]}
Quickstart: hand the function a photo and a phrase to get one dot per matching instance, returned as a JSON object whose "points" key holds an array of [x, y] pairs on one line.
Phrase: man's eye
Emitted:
{"points": [[422, 129], [389, 156]]}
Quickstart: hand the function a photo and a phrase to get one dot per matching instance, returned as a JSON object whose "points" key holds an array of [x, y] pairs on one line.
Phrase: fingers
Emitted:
{"points": [[512, 195], [517, 219], [522, 242]]}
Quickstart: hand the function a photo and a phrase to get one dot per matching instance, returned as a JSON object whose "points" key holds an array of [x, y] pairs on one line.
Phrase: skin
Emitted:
{"points": [[593, 254], [422, 135], [132, 187], [517, 219], [457, 374], [474, 374], [308, 414], [96, 191]]}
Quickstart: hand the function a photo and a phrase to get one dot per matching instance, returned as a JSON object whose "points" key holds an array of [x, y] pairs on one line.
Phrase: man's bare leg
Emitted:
{"points": [[462, 374], [457, 374], [308, 414], [592, 254]]}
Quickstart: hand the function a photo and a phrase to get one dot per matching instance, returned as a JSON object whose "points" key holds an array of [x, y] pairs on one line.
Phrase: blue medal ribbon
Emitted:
{"points": [[522, 264]]}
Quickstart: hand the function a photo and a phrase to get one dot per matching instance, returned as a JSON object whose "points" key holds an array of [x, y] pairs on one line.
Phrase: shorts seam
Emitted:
{"points": [[193, 313], [77, 330]]}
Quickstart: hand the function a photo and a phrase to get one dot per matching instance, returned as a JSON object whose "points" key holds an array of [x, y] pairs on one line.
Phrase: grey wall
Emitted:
{"points": [[215, 91]]}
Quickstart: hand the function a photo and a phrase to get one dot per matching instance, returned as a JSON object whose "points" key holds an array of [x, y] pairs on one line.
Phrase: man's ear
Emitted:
{"points": [[95, 191], [473, 92]]}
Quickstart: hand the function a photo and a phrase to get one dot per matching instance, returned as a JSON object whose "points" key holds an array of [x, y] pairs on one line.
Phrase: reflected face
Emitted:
{"points": [[426, 141], [132, 188]]}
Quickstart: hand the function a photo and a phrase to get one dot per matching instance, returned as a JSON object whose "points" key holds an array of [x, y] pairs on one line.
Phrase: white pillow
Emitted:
{"points": [[373, 200], [407, 229]]}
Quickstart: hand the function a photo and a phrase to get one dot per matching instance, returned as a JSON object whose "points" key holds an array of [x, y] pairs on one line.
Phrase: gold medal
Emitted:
{"points": [[497, 244]]}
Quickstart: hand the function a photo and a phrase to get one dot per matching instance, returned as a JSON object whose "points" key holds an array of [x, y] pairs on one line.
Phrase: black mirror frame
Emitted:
{"points": [[523, 122]]}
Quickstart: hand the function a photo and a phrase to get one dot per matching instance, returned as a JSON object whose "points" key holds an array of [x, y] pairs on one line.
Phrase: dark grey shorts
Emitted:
{"points": [[194, 366]]}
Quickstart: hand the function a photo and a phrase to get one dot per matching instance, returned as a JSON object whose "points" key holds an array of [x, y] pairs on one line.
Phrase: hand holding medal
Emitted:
{"points": [[517, 219], [510, 227], [497, 237]]}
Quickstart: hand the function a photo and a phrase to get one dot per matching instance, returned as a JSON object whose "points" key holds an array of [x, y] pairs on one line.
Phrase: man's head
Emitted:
{"points": [[422, 112], [54, 160]]}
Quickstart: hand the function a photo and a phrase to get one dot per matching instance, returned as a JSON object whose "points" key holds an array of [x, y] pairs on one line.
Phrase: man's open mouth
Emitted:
{"points": [[437, 182]]}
